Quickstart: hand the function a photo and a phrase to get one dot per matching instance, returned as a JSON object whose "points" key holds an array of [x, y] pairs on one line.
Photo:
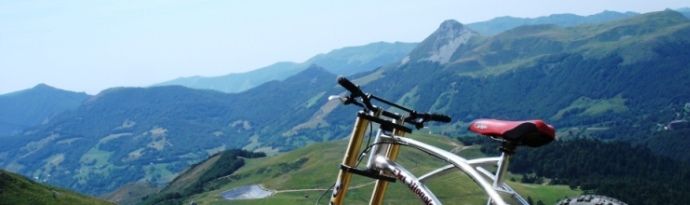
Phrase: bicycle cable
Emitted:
{"points": [[323, 194], [363, 153]]}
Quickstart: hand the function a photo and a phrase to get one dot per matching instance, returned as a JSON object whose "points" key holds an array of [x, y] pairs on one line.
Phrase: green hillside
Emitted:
{"points": [[501, 24], [195, 179], [152, 134], [17, 190], [612, 75], [300, 177]]}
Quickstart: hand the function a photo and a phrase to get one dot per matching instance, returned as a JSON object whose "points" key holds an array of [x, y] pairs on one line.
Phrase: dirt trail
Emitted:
{"points": [[458, 147], [317, 189], [259, 191]]}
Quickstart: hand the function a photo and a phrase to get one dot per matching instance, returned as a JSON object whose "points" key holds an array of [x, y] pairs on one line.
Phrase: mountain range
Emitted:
{"points": [[500, 24], [614, 80], [356, 59], [504, 23], [130, 134], [343, 61]]}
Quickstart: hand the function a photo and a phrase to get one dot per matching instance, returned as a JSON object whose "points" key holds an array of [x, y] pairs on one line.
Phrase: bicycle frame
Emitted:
{"points": [[490, 183], [381, 164], [382, 160]]}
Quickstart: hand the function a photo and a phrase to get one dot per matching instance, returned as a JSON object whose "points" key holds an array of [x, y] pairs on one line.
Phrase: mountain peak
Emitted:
{"points": [[43, 86], [450, 24], [450, 28], [440, 45]]}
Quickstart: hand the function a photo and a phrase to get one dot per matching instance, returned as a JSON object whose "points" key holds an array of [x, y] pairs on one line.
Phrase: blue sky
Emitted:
{"points": [[93, 45]]}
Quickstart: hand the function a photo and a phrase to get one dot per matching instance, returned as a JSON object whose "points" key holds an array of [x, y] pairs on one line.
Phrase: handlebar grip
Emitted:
{"points": [[347, 84], [439, 117]]}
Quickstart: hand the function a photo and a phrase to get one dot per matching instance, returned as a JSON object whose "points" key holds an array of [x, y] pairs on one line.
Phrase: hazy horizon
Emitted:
{"points": [[90, 46]]}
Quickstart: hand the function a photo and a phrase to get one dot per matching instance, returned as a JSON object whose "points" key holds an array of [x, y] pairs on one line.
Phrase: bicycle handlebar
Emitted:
{"points": [[439, 117], [415, 118], [354, 89]]}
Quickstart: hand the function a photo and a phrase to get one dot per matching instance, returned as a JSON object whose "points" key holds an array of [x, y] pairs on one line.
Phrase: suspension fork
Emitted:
{"points": [[391, 152], [350, 159]]}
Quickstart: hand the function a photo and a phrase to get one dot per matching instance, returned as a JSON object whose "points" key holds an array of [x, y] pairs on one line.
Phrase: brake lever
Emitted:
{"points": [[419, 125], [338, 97], [345, 100]]}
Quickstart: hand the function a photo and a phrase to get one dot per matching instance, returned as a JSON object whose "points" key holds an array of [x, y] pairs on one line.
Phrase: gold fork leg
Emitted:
{"points": [[350, 159]]}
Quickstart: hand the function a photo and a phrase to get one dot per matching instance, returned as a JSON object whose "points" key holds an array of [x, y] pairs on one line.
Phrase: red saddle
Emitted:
{"points": [[533, 133]]}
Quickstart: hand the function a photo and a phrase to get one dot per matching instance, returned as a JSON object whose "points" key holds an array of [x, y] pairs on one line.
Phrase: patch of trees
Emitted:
{"points": [[630, 173], [672, 143]]}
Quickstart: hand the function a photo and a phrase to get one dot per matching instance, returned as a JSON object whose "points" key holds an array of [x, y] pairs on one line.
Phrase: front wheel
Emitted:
{"points": [[590, 199]]}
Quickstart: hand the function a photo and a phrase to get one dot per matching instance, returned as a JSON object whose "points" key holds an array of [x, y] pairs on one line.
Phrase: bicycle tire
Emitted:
{"points": [[591, 200]]}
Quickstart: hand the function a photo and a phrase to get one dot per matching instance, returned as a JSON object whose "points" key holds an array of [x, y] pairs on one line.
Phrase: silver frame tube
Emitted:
{"points": [[456, 161], [407, 178], [377, 149], [502, 169], [438, 172]]}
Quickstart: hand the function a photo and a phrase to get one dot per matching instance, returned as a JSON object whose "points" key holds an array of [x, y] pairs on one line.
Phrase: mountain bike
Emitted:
{"points": [[381, 164]]}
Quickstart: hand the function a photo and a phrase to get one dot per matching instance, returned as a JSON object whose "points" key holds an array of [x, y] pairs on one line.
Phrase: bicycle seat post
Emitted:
{"points": [[507, 150]]}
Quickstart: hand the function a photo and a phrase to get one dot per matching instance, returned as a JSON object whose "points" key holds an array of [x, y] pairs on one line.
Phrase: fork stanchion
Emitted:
{"points": [[351, 154], [381, 185]]}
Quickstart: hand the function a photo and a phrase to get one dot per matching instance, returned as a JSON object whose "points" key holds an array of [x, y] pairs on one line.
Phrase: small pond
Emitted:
{"points": [[247, 192]]}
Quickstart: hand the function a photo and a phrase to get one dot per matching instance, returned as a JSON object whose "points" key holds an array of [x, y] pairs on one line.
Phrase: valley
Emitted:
{"points": [[303, 175]]}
